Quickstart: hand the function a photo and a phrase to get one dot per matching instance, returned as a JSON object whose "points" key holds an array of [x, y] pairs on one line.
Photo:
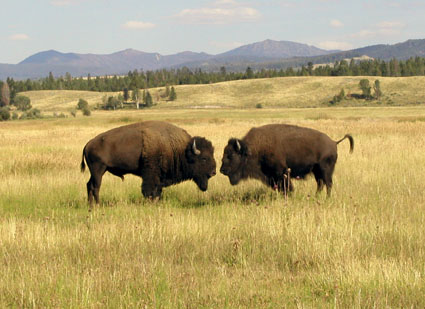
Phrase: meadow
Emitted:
{"points": [[241, 246]]}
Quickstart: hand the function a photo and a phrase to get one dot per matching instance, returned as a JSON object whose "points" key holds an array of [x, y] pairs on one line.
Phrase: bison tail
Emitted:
{"points": [[350, 138], [83, 165]]}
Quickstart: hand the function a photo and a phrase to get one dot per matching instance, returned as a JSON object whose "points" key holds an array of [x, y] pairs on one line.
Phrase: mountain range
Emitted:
{"points": [[265, 54]]}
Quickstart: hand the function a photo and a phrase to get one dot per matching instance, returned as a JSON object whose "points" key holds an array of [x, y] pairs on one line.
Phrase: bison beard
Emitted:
{"points": [[270, 152], [160, 153]]}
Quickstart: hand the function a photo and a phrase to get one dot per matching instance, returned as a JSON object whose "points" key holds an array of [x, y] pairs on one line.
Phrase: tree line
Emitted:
{"points": [[136, 80]]}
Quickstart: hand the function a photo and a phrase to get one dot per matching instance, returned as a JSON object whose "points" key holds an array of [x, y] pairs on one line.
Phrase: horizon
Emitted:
{"points": [[212, 27], [187, 51]]}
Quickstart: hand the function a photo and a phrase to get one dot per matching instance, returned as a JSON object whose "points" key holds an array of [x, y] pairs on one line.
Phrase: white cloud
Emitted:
{"points": [[385, 28], [336, 23], [364, 34], [220, 12], [138, 25], [330, 45], [225, 2], [390, 24], [19, 37]]}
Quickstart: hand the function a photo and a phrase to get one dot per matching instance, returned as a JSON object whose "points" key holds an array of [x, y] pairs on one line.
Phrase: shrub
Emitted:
{"points": [[338, 98], [31, 114], [4, 114], [259, 105], [112, 103], [82, 104], [86, 112], [366, 89], [22, 103]]}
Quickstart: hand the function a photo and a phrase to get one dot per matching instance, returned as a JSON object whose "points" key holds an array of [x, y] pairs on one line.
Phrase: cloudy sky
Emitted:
{"points": [[212, 26]]}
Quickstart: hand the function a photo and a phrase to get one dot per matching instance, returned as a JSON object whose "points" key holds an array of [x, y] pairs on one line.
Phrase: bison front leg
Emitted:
{"points": [[151, 187]]}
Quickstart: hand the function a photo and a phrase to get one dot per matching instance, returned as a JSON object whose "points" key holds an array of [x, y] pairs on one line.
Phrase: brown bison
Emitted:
{"points": [[273, 152], [159, 152]]}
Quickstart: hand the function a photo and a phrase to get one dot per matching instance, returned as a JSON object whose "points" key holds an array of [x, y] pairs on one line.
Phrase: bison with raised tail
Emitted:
{"points": [[159, 152], [273, 153]]}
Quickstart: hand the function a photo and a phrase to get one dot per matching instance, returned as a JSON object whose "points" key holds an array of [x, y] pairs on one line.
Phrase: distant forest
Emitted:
{"points": [[135, 80]]}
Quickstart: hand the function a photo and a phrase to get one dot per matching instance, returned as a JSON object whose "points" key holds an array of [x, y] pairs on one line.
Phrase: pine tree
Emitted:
{"points": [[148, 99], [173, 94], [125, 94], [249, 73], [377, 88], [167, 91]]}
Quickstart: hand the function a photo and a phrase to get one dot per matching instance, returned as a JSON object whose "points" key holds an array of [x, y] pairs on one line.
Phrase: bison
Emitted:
{"points": [[273, 153], [159, 152]]}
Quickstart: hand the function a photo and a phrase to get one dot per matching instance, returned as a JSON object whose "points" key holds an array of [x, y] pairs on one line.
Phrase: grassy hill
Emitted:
{"points": [[293, 92]]}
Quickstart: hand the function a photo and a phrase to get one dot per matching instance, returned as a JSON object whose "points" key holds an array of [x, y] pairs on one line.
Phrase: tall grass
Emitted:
{"points": [[242, 246]]}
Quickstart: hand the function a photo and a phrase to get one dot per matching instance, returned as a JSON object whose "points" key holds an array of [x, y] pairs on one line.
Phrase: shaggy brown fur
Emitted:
{"points": [[159, 152], [271, 152]]}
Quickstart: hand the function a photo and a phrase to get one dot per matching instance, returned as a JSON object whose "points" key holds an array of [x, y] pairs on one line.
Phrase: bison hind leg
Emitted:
{"points": [[323, 174], [95, 181], [318, 175]]}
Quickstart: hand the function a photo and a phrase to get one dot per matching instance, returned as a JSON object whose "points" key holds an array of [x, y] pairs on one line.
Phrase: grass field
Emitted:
{"points": [[242, 246]]}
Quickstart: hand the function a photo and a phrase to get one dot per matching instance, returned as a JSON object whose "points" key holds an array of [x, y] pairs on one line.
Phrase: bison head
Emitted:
{"points": [[201, 163], [234, 160]]}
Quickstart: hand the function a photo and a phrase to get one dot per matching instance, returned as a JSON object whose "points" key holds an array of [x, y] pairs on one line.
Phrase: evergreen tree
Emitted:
{"points": [[125, 94], [249, 74], [148, 99], [173, 94], [310, 68], [377, 88], [167, 91]]}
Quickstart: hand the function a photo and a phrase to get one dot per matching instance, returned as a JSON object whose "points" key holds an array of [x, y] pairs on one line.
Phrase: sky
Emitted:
{"points": [[212, 26]]}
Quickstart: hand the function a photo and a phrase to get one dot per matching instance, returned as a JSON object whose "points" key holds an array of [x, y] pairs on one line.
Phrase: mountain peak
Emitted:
{"points": [[276, 49], [50, 56]]}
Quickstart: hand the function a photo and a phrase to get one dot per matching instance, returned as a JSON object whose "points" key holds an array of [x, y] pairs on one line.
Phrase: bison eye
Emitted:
{"points": [[204, 159]]}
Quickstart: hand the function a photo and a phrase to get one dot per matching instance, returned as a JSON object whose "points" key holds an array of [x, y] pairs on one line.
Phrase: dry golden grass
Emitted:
{"points": [[242, 246], [294, 92]]}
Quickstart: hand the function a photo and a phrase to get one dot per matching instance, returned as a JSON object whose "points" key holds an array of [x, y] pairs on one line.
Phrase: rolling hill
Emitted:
{"points": [[292, 92]]}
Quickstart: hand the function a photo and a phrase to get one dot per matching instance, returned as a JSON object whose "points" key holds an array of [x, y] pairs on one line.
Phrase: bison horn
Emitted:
{"points": [[195, 150], [238, 145]]}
